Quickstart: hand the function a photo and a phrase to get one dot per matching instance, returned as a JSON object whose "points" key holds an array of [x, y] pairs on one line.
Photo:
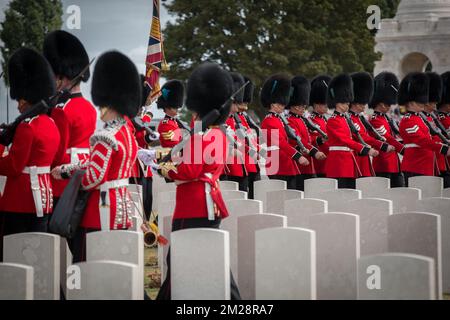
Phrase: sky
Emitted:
{"points": [[121, 25]]}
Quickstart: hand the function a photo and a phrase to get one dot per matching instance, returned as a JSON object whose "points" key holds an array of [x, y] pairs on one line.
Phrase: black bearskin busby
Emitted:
{"points": [[66, 55], [238, 82], [414, 88], [276, 89], [30, 76], [362, 87], [172, 95], [209, 87], [435, 94], [386, 88], [445, 88], [319, 87], [301, 89], [249, 89], [340, 90], [116, 84]]}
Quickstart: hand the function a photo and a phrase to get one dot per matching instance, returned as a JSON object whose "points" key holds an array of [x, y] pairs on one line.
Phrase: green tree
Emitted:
{"points": [[26, 24], [262, 37]]}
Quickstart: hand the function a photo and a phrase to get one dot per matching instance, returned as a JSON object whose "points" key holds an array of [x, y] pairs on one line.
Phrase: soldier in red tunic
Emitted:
{"points": [[444, 113], [341, 162], [387, 164], [171, 99], [116, 89], [199, 203], [420, 147], [253, 131], [283, 160], [363, 91], [297, 105], [318, 101], [27, 199], [74, 116]]}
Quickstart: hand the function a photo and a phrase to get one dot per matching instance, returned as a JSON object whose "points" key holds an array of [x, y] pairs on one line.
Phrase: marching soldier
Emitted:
{"points": [[387, 164], [199, 203], [170, 100], [341, 163], [282, 158], [27, 199], [116, 89], [419, 156], [251, 163], [297, 105], [363, 91], [236, 169], [444, 113], [318, 101], [74, 116]]}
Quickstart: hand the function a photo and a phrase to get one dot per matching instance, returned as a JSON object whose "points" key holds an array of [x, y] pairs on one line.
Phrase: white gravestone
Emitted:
{"points": [[316, 186], [396, 276], [276, 199], [261, 188], [124, 246], [105, 280], [16, 281], [372, 187], [228, 185], [418, 233], [66, 261], [228, 195], [403, 199], [40, 251], [338, 199], [285, 264], [373, 219], [446, 193], [431, 186], [337, 247], [200, 264], [247, 226], [298, 211]]}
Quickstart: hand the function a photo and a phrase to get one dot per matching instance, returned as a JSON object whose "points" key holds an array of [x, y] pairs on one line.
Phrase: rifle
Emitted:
{"points": [[141, 125], [354, 130], [182, 125], [252, 124], [370, 128], [434, 131], [439, 124], [292, 135], [393, 124], [314, 127], [8, 130], [242, 134]]}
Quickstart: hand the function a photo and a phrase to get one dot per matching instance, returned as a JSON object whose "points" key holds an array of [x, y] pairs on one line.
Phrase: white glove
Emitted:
{"points": [[147, 156], [154, 166]]}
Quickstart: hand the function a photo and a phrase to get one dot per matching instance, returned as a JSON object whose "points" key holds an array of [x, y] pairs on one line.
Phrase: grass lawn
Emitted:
{"points": [[152, 280]]}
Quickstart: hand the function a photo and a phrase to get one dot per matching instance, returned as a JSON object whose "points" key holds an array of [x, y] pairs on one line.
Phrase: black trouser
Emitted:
{"points": [[446, 176], [321, 175], [410, 175], [300, 180], [242, 181], [77, 244], [397, 179], [179, 224], [291, 181], [147, 196], [346, 183], [14, 222], [252, 177]]}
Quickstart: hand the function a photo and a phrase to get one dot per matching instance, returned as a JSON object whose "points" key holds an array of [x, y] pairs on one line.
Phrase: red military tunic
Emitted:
{"points": [[420, 148], [35, 144], [281, 156], [301, 130], [364, 163], [76, 120], [251, 164], [386, 162], [113, 153], [193, 175], [170, 132], [341, 161], [141, 138], [445, 120], [235, 162], [440, 158], [316, 138]]}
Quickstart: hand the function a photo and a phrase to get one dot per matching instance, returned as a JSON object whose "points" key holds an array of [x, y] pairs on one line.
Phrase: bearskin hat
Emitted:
{"points": [[66, 55], [362, 87], [276, 89], [209, 87], [319, 87], [172, 95], [116, 84], [238, 82], [435, 94], [414, 88], [30, 76], [340, 90], [248, 91], [386, 88], [300, 93], [445, 88]]}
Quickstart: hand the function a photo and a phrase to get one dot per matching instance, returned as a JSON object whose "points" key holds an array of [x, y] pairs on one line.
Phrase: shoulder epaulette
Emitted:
{"points": [[107, 136]]}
